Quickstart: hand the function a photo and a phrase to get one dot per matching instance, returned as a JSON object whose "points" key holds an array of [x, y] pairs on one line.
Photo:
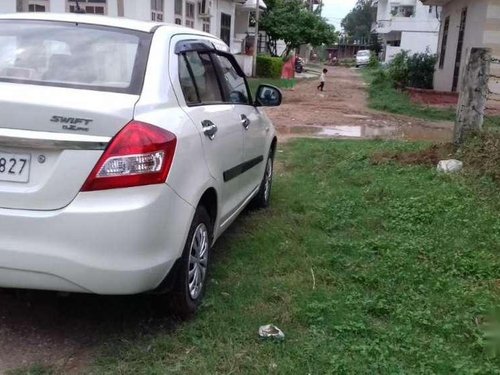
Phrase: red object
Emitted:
{"points": [[288, 71], [135, 139]]}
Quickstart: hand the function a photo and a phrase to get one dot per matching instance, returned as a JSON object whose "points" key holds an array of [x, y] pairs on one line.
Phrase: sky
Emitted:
{"points": [[335, 10]]}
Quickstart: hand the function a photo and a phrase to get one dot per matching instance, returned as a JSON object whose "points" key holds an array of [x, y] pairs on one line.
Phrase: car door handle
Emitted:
{"points": [[209, 129], [245, 121]]}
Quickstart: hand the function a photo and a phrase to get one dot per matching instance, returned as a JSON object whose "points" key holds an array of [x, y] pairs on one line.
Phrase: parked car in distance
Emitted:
{"points": [[362, 58], [126, 149]]}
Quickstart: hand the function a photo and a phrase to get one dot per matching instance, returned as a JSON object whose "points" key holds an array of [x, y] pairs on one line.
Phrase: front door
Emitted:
{"points": [[251, 121], [221, 135]]}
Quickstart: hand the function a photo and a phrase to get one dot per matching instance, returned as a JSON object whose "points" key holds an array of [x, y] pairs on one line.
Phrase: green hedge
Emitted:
{"points": [[269, 67]]}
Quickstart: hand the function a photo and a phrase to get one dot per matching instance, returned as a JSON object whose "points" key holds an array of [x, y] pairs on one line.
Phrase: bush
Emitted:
{"points": [[413, 71], [421, 67], [398, 69], [269, 67], [374, 63], [380, 78]]}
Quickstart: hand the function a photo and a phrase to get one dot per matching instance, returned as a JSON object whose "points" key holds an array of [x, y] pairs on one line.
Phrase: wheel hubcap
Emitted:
{"points": [[268, 178], [198, 261]]}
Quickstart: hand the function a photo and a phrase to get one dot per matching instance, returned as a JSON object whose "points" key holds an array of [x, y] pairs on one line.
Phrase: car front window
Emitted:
{"points": [[235, 84]]}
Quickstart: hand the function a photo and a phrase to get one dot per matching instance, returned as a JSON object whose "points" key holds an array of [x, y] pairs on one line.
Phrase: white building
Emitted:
{"points": [[230, 20], [406, 25], [466, 24]]}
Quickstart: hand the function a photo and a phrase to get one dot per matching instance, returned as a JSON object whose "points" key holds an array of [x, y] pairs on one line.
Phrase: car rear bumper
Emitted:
{"points": [[121, 241]]}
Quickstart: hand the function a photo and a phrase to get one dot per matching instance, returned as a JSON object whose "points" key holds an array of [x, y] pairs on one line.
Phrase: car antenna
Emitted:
{"points": [[78, 8]]}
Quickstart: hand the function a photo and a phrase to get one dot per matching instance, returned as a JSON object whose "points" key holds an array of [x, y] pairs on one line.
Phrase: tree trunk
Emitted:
{"points": [[473, 95]]}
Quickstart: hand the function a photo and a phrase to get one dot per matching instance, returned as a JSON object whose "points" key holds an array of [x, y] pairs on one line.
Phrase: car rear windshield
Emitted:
{"points": [[73, 55], [363, 53]]}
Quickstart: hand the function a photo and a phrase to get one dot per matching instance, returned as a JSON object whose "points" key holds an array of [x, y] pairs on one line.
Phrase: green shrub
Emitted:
{"points": [[380, 77], [421, 68], [416, 70], [269, 67], [398, 69], [373, 63]]}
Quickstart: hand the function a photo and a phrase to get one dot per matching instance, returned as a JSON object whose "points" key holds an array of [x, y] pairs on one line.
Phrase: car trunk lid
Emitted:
{"points": [[51, 138]]}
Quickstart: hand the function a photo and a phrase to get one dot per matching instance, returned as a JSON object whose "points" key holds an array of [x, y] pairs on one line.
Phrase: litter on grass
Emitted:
{"points": [[271, 331], [450, 166]]}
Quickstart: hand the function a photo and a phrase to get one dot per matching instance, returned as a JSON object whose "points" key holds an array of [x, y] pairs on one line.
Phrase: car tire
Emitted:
{"points": [[262, 199], [191, 279]]}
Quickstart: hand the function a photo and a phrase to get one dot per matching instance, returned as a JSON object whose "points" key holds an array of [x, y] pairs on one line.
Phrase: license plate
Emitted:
{"points": [[14, 167]]}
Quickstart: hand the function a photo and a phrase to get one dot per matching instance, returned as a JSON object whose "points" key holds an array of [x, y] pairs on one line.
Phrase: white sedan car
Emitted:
{"points": [[126, 149], [363, 58]]}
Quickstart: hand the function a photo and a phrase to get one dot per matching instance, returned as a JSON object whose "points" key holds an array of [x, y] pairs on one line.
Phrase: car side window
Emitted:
{"points": [[198, 78], [235, 85]]}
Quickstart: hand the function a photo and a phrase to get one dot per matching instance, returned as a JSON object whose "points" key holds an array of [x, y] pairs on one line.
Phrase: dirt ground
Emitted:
{"points": [[42, 327], [341, 111]]}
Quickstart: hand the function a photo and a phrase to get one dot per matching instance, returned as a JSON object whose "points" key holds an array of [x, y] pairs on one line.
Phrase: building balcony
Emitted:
{"points": [[405, 24]]}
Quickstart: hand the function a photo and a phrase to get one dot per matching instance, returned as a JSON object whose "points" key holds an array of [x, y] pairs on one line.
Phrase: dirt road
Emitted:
{"points": [[40, 327], [341, 111]]}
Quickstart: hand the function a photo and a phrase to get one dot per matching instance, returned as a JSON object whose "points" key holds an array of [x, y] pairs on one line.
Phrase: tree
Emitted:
{"points": [[358, 22], [292, 22]]}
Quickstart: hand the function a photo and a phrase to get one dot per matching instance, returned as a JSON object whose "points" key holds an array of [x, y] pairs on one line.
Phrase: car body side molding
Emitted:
{"points": [[242, 168]]}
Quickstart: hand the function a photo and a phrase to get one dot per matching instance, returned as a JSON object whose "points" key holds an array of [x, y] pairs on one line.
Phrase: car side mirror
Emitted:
{"points": [[268, 96]]}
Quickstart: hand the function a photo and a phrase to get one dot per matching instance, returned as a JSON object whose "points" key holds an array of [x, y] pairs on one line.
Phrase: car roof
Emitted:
{"points": [[119, 22]]}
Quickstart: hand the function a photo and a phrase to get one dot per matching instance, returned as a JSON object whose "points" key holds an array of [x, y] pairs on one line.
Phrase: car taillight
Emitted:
{"points": [[140, 154]]}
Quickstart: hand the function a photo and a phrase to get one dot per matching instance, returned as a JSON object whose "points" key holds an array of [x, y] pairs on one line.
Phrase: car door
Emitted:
{"points": [[201, 96], [252, 121]]}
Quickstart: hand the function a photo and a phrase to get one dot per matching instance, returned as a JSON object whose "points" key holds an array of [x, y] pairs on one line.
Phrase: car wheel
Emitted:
{"points": [[189, 287], [262, 198]]}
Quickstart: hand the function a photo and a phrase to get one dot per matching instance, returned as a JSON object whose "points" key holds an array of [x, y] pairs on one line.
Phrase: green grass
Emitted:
{"points": [[384, 97], [33, 370], [255, 82], [367, 269]]}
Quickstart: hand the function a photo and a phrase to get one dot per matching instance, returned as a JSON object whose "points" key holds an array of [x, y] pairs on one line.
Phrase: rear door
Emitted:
{"points": [[65, 90], [194, 76]]}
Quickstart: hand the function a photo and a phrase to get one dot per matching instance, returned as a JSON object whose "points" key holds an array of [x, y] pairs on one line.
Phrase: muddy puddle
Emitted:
{"points": [[410, 133]]}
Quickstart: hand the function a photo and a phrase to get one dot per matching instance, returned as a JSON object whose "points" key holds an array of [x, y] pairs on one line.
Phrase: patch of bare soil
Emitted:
{"points": [[428, 157], [308, 112], [64, 332]]}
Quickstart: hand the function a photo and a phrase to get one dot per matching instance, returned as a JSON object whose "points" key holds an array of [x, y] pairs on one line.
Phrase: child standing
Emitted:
{"points": [[322, 79]]}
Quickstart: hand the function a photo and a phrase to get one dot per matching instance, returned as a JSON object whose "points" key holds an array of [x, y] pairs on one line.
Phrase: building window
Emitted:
{"points": [[444, 42], [32, 5], [206, 26], [402, 11], [204, 14], [178, 12], [89, 6], [157, 10], [190, 15], [225, 28]]}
